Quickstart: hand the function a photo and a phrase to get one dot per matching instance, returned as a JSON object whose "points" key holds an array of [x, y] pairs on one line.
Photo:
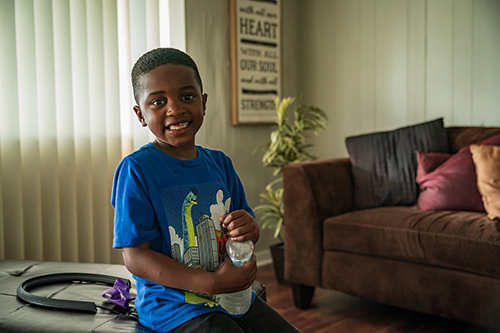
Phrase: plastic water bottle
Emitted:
{"points": [[238, 303]]}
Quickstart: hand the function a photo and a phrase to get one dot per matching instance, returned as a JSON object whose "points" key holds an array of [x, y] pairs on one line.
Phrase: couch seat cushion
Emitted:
{"points": [[467, 241]]}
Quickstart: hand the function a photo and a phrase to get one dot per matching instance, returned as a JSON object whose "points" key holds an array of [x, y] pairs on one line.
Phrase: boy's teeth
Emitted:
{"points": [[179, 126]]}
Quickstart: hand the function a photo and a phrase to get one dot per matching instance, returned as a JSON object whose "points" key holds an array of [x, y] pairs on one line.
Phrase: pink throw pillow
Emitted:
{"points": [[451, 185], [427, 162]]}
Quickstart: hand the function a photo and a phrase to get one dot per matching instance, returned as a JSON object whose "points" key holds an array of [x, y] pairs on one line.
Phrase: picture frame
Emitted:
{"points": [[256, 62]]}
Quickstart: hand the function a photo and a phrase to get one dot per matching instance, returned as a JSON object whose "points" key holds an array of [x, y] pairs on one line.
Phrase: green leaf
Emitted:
{"points": [[287, 145]]}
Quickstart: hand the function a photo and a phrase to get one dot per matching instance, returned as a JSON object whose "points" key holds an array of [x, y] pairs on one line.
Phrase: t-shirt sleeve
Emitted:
{"points": [[134, 221]]}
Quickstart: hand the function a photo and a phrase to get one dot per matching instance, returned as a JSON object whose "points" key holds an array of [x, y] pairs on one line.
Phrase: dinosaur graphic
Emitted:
{"points": [[189, 237]]}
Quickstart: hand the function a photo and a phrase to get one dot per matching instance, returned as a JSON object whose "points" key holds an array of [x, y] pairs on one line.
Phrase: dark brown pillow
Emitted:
{"points": [[384, 163]]}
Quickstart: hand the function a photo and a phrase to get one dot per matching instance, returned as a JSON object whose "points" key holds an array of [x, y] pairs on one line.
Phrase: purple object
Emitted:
{"points": [[118, 294]]}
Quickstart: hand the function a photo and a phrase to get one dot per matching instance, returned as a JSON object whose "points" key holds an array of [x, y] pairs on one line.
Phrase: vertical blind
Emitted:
{"points": [[67, 120]]}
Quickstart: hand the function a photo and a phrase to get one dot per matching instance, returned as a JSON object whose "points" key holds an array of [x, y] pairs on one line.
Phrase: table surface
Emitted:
{"points": [[17, 316]]}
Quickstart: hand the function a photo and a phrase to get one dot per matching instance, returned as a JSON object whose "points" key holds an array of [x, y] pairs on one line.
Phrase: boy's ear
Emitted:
{"points": [[140, 116], [205, 98]]}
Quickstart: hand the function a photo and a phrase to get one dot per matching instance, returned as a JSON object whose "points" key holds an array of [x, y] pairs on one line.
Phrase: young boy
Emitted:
{"points": [[176, 204]]}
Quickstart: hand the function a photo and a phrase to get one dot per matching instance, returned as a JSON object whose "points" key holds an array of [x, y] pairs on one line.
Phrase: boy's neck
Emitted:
{"points": [[184, 153]]}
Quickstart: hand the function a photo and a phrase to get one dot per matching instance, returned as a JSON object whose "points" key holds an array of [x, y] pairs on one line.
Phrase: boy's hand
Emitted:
{"points": [[241, 226], [231, 278]]}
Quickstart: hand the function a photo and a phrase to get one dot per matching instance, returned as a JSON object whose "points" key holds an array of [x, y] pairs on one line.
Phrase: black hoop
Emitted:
{"points": [[43, 280]]}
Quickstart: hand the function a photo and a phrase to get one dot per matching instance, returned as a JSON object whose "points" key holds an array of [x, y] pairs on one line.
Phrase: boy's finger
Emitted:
{"points": [[235, 215], [223, 218], [227, 219]]}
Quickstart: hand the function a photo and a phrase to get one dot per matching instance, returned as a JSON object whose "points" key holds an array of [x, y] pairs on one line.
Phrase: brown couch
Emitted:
{"points": [[445, 263]]}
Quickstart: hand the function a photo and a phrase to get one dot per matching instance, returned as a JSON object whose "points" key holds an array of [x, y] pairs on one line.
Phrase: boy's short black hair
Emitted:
{"points": [[157, 57]]}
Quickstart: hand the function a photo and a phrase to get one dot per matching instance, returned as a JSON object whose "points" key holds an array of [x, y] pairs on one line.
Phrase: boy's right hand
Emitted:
{"points": [[231, 278]]}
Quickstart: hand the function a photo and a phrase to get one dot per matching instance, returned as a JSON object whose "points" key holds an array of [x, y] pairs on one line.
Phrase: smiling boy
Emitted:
{"points": [[173, 109], [176, 204]]}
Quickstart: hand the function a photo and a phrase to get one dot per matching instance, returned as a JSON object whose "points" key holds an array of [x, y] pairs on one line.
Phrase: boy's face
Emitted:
{"points": [[172, 106]]}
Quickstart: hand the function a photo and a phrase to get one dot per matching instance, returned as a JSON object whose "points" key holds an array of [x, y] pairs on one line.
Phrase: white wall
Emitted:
{"points": [[380, 64]]}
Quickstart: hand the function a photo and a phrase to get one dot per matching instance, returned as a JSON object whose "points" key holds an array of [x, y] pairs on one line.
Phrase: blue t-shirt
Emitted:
{"points": [[176, 205]]}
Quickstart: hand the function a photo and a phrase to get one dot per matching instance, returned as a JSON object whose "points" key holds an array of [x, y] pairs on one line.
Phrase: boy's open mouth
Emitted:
{"points": [[177, 127]]}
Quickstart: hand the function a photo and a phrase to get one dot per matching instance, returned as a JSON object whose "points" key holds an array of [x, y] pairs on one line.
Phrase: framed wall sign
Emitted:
{"points": [[255, 60]]}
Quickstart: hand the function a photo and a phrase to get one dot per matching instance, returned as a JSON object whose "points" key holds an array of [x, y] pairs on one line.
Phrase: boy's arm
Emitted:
{"points": [[156, 267]]}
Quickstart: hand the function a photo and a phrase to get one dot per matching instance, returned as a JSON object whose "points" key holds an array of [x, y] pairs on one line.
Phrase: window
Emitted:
{"points": [[67, 118]]}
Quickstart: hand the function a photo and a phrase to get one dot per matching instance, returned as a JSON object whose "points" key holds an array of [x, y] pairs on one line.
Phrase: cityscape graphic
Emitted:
{"points": [[202, 244], [204, 253]]}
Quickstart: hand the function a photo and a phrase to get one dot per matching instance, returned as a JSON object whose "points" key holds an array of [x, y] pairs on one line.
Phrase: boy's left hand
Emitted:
{"points": [[241, 226]]}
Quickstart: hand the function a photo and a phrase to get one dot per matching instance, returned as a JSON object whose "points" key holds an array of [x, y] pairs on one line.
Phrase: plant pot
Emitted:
{"points": [[278, 254]]}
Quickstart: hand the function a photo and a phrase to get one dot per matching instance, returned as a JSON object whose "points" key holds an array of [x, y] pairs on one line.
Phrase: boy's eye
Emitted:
{"points": [[187, 97], [158, 102]]}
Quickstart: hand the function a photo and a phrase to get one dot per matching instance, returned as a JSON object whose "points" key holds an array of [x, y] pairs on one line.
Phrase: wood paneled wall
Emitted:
{"points": [[381, 64]]}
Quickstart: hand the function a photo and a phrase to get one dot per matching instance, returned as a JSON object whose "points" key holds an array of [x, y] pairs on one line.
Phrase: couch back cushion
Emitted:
{"points": [[384, 163], [459, 137]]}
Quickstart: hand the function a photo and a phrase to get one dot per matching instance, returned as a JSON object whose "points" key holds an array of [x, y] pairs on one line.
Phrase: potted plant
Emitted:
{"points": [[287, 145]]}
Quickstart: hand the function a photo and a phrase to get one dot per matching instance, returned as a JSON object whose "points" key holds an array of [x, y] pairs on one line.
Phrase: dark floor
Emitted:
{"points": [[333, 311]]}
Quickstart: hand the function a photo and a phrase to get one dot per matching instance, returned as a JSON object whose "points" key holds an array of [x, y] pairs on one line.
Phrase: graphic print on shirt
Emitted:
{"points": [[190, 255], [196, 236]]}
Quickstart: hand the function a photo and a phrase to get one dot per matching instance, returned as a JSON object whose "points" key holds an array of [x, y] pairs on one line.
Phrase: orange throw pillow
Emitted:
{"points": [[487, 163]]}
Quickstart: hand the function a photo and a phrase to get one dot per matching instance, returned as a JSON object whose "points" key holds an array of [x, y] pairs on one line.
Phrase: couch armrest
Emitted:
{"points": [[313, 191]]}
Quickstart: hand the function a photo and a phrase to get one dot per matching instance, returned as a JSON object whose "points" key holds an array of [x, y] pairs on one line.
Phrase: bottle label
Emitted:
{"points": [[241, 262]]}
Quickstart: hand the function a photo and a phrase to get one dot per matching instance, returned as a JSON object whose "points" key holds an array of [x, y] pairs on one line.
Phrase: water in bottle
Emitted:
{"points": [[238, 303]]}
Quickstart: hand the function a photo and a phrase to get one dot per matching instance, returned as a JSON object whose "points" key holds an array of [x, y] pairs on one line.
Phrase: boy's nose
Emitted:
{"points": [[174, 108]]}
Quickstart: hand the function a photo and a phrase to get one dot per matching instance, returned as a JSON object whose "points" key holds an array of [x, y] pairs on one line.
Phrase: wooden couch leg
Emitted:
{"points": [[302, 295]]}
